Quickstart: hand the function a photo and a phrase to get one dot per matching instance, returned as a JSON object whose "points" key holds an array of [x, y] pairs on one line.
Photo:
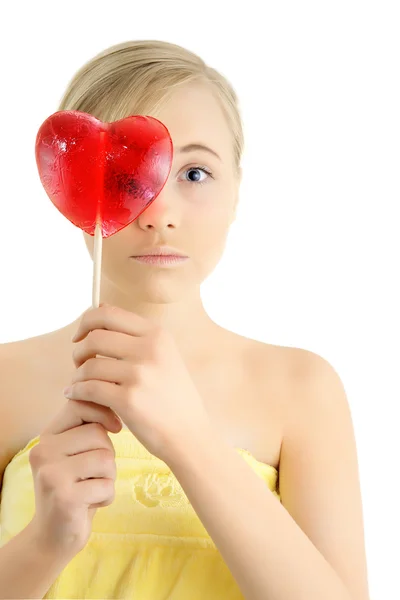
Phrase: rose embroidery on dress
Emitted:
{"points": [[156, 489]]}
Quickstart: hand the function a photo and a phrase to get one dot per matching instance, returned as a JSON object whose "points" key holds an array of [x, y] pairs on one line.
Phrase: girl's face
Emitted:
{"points": [[192, 213]]}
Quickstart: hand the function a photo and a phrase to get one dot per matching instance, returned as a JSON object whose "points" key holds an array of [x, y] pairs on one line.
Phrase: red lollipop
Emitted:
{"points": [[102, 176]]}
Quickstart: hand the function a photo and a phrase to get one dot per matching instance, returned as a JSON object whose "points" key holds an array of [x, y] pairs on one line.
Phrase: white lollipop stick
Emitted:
{"points": [[97, 254], [98, 239]]}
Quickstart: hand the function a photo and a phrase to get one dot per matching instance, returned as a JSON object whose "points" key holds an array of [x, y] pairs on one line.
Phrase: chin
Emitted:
{"points": [[154, 291]]}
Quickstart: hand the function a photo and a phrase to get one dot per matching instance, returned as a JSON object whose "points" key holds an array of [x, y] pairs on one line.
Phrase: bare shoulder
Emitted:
{"points": [[319, 420], [296, 363], [300, 383], [18, 361], [303, 370], [14, 369], [291, 368], [25, 369], [277, 378], [12, 402], [319, 479], [315, 384], [319, 450], [314, 388]]}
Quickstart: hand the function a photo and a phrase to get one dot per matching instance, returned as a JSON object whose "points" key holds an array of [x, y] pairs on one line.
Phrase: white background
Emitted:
{"points": [[313, 258]]}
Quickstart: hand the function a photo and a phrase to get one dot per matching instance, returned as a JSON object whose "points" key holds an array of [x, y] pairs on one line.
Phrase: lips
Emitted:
{"points": [[163, 260], [161, 251]]}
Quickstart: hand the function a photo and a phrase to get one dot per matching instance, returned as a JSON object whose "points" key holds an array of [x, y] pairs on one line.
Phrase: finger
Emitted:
{"points": [[112, 318], [99, 392], [108, 344], [90, 436], [76, 413], [104, 369], [93, 491], [92, 464]]}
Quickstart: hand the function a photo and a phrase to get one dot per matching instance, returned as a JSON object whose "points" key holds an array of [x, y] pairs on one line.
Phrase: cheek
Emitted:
{"points": [[209, 224], [210, 241], [214, 209], [215, 220]]}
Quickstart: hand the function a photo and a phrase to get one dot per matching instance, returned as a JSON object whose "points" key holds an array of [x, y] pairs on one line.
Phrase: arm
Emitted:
{"points": [[27, 567], [310, 546]]}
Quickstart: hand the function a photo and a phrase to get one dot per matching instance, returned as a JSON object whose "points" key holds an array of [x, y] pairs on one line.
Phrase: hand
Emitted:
{"points": [[146, 382], [74, 472]]}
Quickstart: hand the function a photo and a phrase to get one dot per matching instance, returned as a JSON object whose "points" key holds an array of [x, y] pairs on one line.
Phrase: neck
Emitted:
{"points": [[187, 321]]}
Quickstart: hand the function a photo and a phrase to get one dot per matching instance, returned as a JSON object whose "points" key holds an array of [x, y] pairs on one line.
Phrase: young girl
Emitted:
{"points": [[224, 468]]}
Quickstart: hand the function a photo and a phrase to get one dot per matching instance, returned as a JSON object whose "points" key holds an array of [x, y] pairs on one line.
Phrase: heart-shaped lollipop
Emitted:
{"points": [[104, 174]]}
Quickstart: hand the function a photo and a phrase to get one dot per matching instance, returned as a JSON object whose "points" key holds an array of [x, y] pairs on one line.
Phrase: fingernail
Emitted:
{"points": [[68, 392]]}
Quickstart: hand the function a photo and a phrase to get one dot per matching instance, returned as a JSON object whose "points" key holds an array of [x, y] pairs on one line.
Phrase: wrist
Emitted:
{"points": [[193, 447], [56, 554]]}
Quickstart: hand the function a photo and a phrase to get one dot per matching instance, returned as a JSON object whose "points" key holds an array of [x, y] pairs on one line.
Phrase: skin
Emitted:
{"points": [[286, 405], [191, 217], [225, 366]]}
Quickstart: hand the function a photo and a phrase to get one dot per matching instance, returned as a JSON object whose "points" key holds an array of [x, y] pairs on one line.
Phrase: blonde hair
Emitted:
{"points": [[137, 77]]}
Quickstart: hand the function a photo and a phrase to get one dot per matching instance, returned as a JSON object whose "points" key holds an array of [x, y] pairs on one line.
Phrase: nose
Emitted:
{"points": [[162, 213]]}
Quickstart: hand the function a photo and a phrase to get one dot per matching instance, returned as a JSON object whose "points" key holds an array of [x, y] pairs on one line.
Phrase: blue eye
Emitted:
{"points": [[196, 181]]}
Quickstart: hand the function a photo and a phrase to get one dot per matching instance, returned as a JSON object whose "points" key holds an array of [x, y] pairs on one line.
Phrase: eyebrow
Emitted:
{"points": [[191, 147]]}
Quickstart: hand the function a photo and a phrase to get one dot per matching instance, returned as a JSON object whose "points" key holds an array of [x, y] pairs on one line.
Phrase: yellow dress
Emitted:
{"points": [[149, 544]]}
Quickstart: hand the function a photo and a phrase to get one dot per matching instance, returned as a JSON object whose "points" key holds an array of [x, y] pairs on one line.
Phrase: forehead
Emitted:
{"points": [[192, 114]]}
